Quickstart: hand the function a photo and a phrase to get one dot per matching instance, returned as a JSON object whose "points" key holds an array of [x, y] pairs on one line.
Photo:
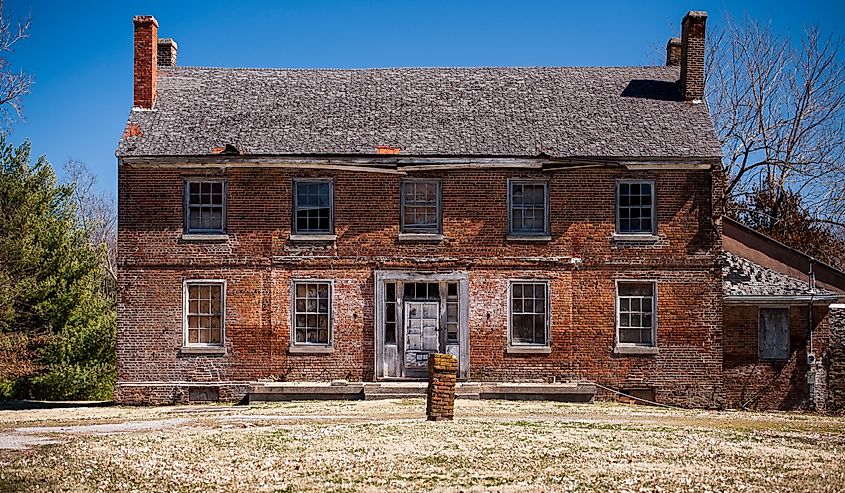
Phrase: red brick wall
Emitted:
{"points": [[259, 260], [758, 384]]}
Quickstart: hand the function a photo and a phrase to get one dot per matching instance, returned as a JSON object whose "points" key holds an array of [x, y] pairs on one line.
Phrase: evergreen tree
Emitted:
{"points": [[52, 304]]}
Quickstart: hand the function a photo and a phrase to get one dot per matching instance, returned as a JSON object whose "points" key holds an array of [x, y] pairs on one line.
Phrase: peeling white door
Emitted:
{"points": [[422, 320]]}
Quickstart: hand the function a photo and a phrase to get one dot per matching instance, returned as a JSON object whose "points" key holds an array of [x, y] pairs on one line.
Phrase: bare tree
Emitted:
{"points": [[779, 111], [14, 85], [95, 212]]}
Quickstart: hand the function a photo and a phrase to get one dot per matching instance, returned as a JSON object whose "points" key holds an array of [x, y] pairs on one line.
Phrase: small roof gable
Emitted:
{"points": [[560, 112]]}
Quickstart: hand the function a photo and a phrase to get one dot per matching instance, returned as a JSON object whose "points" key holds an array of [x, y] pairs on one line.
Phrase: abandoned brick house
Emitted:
{"points": [[549, 224]]}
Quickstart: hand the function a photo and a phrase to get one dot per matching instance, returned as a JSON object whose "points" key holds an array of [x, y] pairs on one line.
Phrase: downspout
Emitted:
{"points": [[811, 357]]}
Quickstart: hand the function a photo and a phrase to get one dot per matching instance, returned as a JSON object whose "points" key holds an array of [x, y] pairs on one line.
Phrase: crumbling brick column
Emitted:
{"points": [[442, 373], [835, 361]]}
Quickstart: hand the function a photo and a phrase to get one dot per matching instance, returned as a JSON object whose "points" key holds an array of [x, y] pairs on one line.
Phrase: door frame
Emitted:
{"points": [[382, 276]]}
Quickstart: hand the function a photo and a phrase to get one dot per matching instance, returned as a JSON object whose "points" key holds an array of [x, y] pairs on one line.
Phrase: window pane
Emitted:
{"points": [[311, 312], [636, 289], [528, 313], [419, 205], [636, 321], [634, 208]]}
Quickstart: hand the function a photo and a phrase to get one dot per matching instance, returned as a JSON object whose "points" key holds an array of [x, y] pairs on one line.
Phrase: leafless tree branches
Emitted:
{"points": [[95, 212], [14, 85], [779, 110]]}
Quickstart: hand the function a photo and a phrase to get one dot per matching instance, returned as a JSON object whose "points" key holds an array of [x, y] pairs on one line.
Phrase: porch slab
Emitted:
{"points": [[292, 391]]}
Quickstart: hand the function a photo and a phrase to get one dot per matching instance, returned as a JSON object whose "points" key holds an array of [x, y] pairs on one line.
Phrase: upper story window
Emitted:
{"points": [[204, 313], [773, 333], [635, 313], [312, 313], [635, 207], [529, 313], [205, 205], [529, 208], [420, 206], [312, 205]]}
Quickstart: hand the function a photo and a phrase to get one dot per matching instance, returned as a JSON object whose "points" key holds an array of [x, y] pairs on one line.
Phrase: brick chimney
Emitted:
{"points": [[692, 55], [146, 54], [673, 52], [167, 52]]}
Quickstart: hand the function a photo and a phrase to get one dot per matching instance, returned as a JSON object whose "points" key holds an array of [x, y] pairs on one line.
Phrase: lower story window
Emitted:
{"points": [[204, 309], [529, 313], [312, 312], [635, 306]]}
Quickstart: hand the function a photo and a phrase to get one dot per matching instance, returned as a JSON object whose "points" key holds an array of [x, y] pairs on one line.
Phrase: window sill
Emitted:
{"points": [[202, 350], [529, 238], [310, 349], [529, 349], [420, 237], [205, 237], [636, 350], [312, 237], [638, 238]]}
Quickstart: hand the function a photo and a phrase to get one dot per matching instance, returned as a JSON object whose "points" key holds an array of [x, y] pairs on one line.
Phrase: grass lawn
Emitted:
{"points": [[388, 446]]}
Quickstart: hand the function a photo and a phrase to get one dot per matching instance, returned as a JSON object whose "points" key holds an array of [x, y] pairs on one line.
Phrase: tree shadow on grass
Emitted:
{"points": [[24, 405]]}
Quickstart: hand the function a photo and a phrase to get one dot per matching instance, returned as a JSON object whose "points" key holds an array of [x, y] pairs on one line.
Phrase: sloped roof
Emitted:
{"points": [[743, 278], [563, 112]]}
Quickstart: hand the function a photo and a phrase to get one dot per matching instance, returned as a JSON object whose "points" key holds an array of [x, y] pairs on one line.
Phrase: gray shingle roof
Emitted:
{"points": [[558, 111], [742, 277]]}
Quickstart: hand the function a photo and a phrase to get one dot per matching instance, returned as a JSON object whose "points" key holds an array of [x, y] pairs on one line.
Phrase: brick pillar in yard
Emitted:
{"points": [[442, 375]]}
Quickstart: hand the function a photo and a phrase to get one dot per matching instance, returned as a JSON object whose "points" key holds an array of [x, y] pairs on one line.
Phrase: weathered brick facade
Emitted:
{"points": [[258, 260], [753, 383]]}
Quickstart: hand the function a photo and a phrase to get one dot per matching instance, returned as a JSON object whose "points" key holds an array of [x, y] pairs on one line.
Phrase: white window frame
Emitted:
{"points": [[330, 342], [186, 192], [617, 206], [295, 205], [788, 331], [546, 208], [405, 229], [654, 317], [185, 301], [548, 323]]}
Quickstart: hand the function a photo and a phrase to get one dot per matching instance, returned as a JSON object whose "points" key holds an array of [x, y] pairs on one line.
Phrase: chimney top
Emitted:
{"points": [[145, 19], [146, 54], [692, 55], [673, 52], [167, 49]]}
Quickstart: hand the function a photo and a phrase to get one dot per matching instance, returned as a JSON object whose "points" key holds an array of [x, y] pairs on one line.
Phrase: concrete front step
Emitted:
{"points": [[290, 391]]}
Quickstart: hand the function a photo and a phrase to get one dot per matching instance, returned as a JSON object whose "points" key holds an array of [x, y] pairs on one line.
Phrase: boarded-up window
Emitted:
{"points": [[204, 313], [773, 333], [529, 313]]}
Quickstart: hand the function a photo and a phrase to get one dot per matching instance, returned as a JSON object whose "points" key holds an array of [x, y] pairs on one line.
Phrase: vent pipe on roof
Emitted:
{"points": [[692, 55], [167, 52], [146, 61]]}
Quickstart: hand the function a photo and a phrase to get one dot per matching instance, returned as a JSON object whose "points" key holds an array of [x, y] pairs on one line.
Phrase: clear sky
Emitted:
{"points": [[81, 52]]}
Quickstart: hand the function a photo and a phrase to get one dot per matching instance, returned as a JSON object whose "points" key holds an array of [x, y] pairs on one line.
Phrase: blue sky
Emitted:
{"points": [[81, 52]]}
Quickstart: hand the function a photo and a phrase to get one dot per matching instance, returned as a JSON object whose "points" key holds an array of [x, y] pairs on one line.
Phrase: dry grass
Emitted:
{"points": [[388, 446]]}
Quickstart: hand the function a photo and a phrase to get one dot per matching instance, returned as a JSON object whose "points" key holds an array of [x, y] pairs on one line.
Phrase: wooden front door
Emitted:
{"points": [[422, 335]]}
